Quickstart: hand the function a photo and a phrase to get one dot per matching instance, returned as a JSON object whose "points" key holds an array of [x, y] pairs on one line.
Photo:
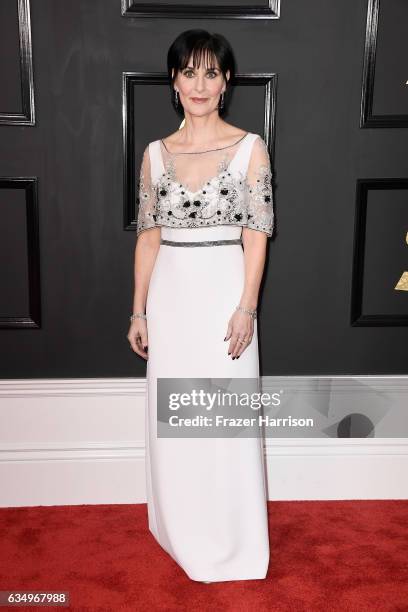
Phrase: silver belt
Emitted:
{"points": [[201, 243]]}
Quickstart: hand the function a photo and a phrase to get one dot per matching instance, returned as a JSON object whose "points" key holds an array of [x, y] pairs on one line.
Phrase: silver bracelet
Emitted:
{"points": [[139, 315], [252, 313]]}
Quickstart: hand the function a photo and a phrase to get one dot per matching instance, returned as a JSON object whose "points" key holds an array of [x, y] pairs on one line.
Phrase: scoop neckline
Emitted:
{"points": [[208, 151]]}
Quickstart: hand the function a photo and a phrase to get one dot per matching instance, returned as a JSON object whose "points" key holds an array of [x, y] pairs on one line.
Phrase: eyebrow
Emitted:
{"points": [[192, 68]]}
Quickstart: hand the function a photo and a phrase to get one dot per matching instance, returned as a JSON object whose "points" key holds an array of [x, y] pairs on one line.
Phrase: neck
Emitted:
{"points": [[201, 131]]}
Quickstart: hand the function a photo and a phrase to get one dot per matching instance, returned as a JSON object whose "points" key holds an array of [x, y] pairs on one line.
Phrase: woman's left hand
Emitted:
{"points": [[240, 327]]}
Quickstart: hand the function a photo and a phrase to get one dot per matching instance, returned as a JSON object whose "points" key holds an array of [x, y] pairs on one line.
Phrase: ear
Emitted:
{"points": [[227, 74]]}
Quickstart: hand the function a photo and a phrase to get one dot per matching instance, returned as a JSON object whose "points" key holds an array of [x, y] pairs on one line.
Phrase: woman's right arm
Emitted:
{"points": [[146, 249]]}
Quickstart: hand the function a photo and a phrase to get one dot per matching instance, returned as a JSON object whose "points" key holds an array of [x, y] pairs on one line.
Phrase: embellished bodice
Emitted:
{"points": [[227, 186]]}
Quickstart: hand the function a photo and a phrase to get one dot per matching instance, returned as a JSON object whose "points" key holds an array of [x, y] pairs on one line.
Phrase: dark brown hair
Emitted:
{"points": [[201, 45]]}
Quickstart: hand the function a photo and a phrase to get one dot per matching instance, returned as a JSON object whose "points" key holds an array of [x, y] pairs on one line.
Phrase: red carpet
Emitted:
{"points": [[327, 555]]}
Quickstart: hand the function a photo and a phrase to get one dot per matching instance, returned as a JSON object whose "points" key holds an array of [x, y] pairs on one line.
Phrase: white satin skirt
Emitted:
{"points": [[207, 497]]}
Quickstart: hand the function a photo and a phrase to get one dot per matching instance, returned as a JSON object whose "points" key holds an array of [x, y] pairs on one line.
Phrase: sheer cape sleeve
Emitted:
{"points": [[146, 218], [259, 197]]}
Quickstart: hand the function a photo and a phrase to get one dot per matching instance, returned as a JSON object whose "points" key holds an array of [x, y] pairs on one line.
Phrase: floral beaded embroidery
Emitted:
{"points": [[220, 201], [259, 199], [225, 199], [147, 206]]}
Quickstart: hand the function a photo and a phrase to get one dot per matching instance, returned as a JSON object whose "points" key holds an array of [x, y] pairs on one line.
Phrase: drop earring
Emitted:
{"points": [[221, 102], [176, 99]]}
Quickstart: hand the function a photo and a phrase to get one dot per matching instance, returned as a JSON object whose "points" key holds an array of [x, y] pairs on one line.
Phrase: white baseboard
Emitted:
{"points": [[81, 441]]}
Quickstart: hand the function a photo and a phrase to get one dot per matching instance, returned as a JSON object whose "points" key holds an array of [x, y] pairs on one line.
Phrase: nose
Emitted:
{"points": [[200, 83]]}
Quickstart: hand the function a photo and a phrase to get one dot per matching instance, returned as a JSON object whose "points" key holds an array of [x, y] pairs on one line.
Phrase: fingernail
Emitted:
{"points": [[229, 353], [238, 356], [225, 338], [233, 358]]}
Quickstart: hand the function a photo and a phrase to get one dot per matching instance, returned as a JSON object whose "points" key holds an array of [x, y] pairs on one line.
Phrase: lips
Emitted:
{"points": [[199, 100]]}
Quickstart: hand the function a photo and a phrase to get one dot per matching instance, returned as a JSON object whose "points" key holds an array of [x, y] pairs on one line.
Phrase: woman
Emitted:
{"points": [[206, 186]]}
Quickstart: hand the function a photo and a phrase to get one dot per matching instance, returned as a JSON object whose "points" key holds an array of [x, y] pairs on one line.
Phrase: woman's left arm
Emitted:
{"points": [[254, 244], [241, 325], [260, 223]]}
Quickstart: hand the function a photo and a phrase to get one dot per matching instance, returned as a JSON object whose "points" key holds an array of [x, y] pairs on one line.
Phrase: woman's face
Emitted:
{"points": [[200, 88]]}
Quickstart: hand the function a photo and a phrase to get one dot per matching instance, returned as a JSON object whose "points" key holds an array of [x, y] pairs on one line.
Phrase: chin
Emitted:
{"points": [[204, 111]]}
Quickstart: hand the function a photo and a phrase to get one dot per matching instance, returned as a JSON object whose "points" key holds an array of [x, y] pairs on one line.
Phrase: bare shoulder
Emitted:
{"points": [[231, 134], [171, 138]]}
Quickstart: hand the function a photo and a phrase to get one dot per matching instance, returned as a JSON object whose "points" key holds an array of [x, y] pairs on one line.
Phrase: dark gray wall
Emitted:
{"points": [[75, 149]]}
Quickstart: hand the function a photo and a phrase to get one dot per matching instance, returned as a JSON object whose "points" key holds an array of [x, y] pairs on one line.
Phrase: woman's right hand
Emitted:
{"points": [[137, 336]]}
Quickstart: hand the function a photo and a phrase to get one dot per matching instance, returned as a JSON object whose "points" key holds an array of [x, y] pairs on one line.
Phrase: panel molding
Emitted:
{"points": [[367, 118], [33, 318], [357, 318], [268, 81], [27, 116], [135, 9]]}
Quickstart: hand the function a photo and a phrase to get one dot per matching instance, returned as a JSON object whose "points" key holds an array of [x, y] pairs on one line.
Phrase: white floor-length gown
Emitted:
{"points": [[206, 496]]}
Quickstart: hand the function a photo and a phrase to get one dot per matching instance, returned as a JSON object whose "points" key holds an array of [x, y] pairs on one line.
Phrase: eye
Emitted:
{"points": [[188, 73]]}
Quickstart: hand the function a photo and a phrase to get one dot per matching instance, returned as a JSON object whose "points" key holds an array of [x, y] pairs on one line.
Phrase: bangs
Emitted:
{"points": [[200, 53]]}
